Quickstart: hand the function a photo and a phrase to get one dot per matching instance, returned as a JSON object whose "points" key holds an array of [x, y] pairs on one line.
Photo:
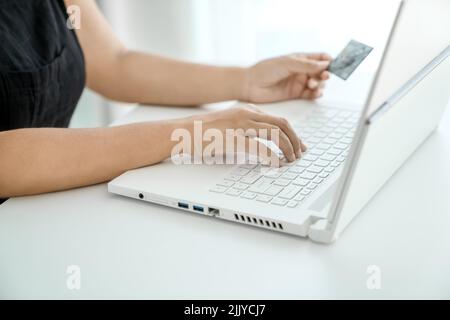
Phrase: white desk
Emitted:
{"points": [[130, 249]]}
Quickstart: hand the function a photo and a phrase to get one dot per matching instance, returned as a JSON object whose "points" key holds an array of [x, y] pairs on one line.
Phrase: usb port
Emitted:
{"points": [[213, 211], [183, 205], [198, 208]]}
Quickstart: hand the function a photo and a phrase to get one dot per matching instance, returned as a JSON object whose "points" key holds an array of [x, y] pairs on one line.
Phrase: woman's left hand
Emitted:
{"points": [[296, 76]]}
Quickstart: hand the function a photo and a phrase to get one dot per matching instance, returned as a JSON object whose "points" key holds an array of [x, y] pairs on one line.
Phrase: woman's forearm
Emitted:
{"points": [[145, 78], [34, 161]]}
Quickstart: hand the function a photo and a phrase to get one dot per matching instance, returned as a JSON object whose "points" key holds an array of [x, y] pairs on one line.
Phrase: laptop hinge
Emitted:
{"points": [[320, 231]]}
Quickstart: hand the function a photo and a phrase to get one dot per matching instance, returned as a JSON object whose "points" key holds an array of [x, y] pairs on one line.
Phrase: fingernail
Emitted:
{"points": [[313, 84], [292, 157]]}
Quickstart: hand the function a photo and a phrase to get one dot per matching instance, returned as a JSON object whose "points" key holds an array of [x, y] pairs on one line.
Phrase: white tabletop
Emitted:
{"points": [[129, 249]]}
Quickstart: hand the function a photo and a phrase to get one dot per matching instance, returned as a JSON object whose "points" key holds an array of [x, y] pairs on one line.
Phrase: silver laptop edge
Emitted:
{"points": [[408, 86], [324, 231]]}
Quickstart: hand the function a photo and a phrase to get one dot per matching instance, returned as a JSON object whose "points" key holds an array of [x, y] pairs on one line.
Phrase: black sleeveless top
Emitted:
{"points": [[42, 72]]}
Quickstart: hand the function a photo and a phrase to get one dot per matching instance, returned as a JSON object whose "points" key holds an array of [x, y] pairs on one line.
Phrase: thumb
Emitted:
{"points": [[306, 65]]}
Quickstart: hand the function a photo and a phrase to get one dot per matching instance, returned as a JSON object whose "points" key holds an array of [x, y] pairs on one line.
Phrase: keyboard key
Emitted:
{"points": [[329, 169], [341, 146], [226, 183], [345, 114], [289, 192], [313, 124], [300, 182], [265, 199], [273, 190], [339, 118], [240, 172], [248, 166], [251, 178], [292, 204], [330, 141], [249, 195], [318, 118], [315, 169], [340, 159], [234, 192], [296, 170], [282, 169], [347, 125], [328, 157], [320, 135], [218, 189], [311, 186], [317, 152], [336, 135], [310, 157], [347, 140], [330, 113], [299, 197], [333, 124], [304, 163], [282, 182], [335, 152], [312, 140], [289, 176], [335, 164], [327, 129], [324, 175], [318, 180], [350, 135], [353, 121], [305, 129], [308, 175], [279, 202], [240, 186], [261, 185], [324, 146], [272, 174], [322, 163], [233, 177], [341, 130], [305, 192]]}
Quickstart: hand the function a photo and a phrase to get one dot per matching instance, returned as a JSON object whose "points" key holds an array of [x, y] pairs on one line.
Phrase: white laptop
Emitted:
{"points": [[350, 156]]}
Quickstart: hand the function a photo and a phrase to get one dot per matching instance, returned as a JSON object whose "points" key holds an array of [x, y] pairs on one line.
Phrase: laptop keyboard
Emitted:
{"points": [[328, 135]]}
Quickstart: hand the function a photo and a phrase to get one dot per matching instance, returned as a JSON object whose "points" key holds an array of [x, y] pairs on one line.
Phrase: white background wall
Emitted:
{"points": [[242, 32]]}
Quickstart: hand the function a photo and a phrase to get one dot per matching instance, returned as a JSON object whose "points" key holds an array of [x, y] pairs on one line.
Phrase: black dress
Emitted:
{"points": [[42, 73]]}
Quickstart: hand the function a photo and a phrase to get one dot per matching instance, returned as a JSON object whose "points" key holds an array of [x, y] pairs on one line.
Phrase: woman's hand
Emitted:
{"points": [[250, 117], [296, 76]]}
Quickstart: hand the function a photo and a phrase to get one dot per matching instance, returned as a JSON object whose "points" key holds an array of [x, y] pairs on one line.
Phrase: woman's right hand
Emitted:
{"points": [[250, 117]]}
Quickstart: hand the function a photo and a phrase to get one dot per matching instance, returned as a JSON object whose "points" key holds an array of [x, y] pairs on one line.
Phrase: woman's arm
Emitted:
{"points": [[34, 161], [129, 76], [120, 74], [39, 160]]}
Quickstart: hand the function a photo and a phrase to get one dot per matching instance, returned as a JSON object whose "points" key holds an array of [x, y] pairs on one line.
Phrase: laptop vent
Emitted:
{"points": [[257, 221]]}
